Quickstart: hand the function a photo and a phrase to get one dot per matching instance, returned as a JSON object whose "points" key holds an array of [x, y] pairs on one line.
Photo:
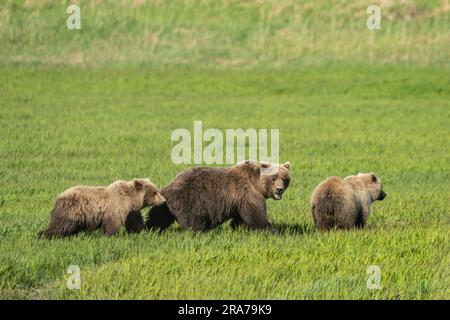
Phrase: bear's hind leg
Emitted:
{"points": [[198, 223], [59, 227], [236, 222]]}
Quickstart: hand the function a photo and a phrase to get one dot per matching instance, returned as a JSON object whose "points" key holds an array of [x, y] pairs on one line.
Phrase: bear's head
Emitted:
{"points": [[372, 184], [151, 194], [274, 179]]}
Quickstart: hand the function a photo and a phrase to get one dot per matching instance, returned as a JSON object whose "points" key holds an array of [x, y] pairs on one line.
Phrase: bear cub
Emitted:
{"points": [[345, 203], [109, 208]]}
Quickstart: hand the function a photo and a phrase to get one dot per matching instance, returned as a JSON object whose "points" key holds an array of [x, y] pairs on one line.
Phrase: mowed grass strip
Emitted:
{"points": [[64, 126]]}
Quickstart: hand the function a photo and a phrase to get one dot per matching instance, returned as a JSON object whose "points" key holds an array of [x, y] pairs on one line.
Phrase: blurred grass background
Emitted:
{"points": [[225, 33]]}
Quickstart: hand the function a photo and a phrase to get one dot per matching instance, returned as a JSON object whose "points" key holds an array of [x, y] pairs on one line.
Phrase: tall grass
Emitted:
{"points": [[224, 33]]}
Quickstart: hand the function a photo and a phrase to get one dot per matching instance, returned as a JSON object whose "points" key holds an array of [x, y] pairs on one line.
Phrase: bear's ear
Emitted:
{"points": [[138, 184], [373, 177], [265, 165], [287, 165]]}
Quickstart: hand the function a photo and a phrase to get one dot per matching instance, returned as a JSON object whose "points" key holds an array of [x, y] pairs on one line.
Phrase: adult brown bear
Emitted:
{"points": [[202, 198]]}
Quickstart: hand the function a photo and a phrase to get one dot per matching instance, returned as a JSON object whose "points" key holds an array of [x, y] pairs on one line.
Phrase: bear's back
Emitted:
{"points": [[334, 203], [198, 178], [202, 196], [84, 192]]}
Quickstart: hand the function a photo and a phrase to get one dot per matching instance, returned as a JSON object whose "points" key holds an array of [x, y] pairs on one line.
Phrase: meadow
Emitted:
{"points": [[100, 105]]}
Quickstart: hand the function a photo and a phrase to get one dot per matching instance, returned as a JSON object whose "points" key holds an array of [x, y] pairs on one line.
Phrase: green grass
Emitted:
{"points": [[100, 104], [66, 126]]}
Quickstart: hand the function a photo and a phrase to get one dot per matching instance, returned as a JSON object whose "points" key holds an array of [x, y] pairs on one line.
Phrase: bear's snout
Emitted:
{"points": [[382, 195], [277, 195]]}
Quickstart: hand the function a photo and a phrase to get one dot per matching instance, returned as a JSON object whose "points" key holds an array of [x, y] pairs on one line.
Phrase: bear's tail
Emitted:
{"points": [[159, 218]]}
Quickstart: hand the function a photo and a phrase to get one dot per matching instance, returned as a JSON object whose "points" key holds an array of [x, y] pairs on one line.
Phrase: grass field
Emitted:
{"points": [[93, 120]]}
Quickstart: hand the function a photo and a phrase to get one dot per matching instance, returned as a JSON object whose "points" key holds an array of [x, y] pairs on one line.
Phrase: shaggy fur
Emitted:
{"points": [[345, 203], [109, 208], [203, 198]]}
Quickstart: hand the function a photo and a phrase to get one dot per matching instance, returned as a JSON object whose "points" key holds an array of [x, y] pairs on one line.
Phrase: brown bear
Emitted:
{"points": [[345, 203], [109, 208], [202, 198]]}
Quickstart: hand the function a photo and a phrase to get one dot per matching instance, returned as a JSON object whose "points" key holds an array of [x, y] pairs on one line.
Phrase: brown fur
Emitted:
{"points": [[345, 203], [109, 208], [203, 198]]}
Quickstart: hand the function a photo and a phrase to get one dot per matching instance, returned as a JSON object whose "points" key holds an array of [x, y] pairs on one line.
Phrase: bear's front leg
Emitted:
{"points": [[134, 223], [362, 217], [253, 213], [236, 220], [159, 218]]}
